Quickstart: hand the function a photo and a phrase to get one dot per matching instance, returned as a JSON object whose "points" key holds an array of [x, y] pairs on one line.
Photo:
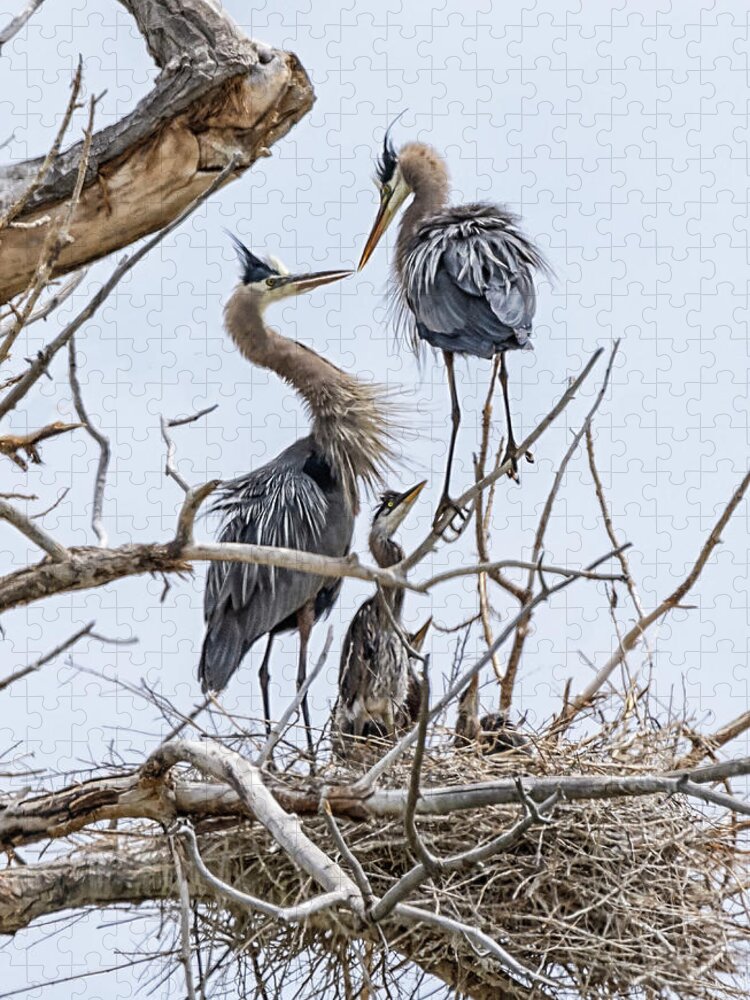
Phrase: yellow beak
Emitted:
{"points": [[417, 638], [389, 205], [306, 282]]}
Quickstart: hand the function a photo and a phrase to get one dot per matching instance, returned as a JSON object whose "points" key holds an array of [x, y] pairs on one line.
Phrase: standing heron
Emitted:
{"points": [[464, 274], [306, 498], [376, 678]]}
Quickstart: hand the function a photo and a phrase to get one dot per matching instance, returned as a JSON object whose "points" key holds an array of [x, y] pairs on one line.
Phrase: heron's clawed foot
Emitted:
{"points": [[511, 455], [450, 519]]}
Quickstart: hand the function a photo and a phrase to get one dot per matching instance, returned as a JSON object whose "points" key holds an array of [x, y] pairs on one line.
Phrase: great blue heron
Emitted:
{"points": [[464, 275], [376, 679], [305, 498]]}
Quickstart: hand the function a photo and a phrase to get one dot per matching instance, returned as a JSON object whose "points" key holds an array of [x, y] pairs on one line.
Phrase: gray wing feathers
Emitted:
{"points": [[468, 279], [283, 508]]}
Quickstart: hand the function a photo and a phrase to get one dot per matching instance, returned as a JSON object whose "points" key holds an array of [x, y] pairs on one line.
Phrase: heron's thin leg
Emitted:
{"points": [[445, 501], [455, 420], [264, 677], [305, 622], [511, 450]]}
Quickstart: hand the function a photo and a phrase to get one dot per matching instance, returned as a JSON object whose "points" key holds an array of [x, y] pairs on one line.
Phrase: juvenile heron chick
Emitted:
{"points": [[464, 275], [306, 498], [376, 677]]}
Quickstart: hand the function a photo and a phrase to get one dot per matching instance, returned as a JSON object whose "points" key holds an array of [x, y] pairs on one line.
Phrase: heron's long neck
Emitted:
{"points": [[430, 199], [387, 552], [346, 413]]}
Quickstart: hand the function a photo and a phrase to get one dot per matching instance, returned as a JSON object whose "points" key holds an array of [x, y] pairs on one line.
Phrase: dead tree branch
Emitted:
{"points": [[102, 440], [632, 637], [12, 445], [15, 25], [219, 98]]}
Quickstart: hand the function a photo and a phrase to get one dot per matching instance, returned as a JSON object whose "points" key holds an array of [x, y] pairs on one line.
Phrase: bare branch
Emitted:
{"points": [[184, 896], [57, 298], [584, 699], [217, 96], [135, 795], [33, 532], [519, 640], [227, 766], [170, 468], [533, 567], [48, 510], [11, 445], [705, 745], [186, 519], [57, 238], [101, 439], [479, 938], [39, 366], [37, 664], [181, 421], [15, 25], [360, 876], [429, 543], [289, 914], [36, 182]]}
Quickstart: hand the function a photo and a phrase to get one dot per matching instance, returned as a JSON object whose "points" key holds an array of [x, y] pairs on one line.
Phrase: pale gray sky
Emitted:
{"points": [[620, 135]]}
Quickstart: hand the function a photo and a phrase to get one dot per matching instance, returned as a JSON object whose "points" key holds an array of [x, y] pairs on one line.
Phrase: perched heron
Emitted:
{"points": [[464, 274], [306, 498], [377, 683]]}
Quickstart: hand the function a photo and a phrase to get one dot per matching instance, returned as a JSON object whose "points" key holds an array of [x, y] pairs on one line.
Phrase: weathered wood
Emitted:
{"points": [[218, 95]]}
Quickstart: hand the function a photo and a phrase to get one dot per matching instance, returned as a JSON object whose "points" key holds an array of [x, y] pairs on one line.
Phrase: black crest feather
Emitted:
{"points": [[384, 498], [253, 268], [385, 165]]}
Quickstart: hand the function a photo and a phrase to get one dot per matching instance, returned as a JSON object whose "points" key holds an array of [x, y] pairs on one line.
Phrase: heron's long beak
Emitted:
{"points": [[295, 284], [417, 638], [389, 206], [408, 497]]}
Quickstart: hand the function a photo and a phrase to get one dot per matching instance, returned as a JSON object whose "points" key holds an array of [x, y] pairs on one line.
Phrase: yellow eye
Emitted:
{"points": [[270, 282], [390, 503]]}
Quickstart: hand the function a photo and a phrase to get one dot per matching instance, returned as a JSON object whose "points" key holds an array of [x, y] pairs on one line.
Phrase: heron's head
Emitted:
{"points": [[393, 509], [270, 281], [416, 168]]}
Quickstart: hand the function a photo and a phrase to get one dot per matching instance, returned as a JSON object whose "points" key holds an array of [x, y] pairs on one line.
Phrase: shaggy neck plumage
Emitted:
{"points": [[345, 413], [426, 173]]}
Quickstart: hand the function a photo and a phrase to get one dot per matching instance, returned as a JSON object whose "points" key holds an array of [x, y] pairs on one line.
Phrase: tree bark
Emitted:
{"points": [[218, 95]]}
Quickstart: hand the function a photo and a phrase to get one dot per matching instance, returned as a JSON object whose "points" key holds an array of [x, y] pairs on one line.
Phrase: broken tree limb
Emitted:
{"points": [[219, 95]]}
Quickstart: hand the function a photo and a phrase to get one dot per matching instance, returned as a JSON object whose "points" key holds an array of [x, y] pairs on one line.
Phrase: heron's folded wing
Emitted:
{"points": [[283, 509], [473, 274]]}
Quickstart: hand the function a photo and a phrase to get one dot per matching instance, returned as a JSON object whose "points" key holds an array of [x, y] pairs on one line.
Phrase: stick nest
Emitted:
{"points": [[629, 897]]}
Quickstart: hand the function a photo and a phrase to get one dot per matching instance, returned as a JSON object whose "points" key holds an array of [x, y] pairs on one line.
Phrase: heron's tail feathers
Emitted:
{"points": [[224, 646]]}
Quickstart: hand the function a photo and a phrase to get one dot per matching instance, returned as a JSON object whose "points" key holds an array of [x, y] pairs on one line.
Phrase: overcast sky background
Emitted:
{"points": [[621, 136]]}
